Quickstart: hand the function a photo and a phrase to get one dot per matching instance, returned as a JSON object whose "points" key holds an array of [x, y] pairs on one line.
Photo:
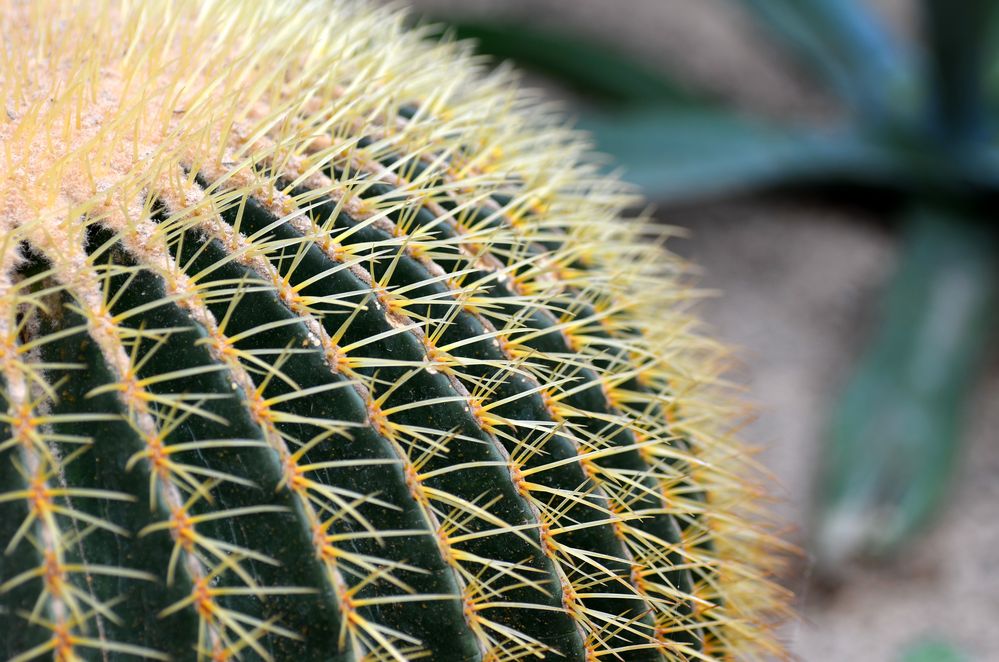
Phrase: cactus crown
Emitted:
{"points": [[319, 342]]}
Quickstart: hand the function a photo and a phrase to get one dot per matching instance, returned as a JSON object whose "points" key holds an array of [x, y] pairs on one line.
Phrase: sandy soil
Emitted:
{"points": [[801, 286]]}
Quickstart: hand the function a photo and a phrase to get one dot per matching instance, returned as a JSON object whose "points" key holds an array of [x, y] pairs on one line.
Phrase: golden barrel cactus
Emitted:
{"points": [[319, 341]]}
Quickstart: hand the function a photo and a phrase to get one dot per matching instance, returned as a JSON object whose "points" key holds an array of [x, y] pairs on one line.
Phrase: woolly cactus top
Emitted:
{"points": [[319, 341]]}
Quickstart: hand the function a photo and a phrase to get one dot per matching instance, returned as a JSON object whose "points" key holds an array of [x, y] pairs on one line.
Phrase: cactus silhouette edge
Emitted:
{"points": [[320, 341]]}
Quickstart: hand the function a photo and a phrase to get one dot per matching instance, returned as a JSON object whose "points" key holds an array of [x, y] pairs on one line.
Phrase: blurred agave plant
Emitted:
{"points": [[920, 131]]}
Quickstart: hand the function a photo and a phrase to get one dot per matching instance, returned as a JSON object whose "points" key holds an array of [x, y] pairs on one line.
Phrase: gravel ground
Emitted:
{"points": [[801, 284]]}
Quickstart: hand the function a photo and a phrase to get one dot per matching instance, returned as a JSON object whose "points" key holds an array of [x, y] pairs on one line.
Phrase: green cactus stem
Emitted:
{"points": [[318, 342]]}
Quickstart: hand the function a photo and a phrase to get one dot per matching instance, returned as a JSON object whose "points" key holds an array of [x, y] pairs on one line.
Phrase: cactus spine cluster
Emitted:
{"points": [[319, 342]]}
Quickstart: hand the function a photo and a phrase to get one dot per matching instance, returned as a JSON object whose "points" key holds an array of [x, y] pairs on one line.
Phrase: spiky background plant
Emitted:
{"points": [[319, 343]]}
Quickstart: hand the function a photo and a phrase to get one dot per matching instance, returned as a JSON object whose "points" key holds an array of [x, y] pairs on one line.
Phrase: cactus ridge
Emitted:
{"points": [[319, 341]]}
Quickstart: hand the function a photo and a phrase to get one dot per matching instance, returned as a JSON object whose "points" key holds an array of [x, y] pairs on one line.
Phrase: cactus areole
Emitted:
{"points": [[319, 341]]}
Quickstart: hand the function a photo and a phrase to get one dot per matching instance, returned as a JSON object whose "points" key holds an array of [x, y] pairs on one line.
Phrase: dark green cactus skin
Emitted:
{"points": [[278, 535], [356, 399]]}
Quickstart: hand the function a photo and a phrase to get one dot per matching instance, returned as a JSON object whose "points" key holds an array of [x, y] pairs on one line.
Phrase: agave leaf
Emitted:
{"points": [[991, 66], [591, 67], [845, 42], [675, 145], [958, 35], [895, 435], [679, 154]]}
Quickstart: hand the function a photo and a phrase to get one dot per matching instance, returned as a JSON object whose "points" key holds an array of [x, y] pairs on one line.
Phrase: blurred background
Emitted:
{"points": [[830, 160]]}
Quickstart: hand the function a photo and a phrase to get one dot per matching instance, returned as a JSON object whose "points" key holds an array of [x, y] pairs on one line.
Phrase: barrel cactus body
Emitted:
{"points": [[319, 342]]}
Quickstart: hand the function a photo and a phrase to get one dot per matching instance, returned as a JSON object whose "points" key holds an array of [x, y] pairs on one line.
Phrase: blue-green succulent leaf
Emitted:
{"points": [[596, 69], [844, 41], [683, 154], [895, 435]]}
